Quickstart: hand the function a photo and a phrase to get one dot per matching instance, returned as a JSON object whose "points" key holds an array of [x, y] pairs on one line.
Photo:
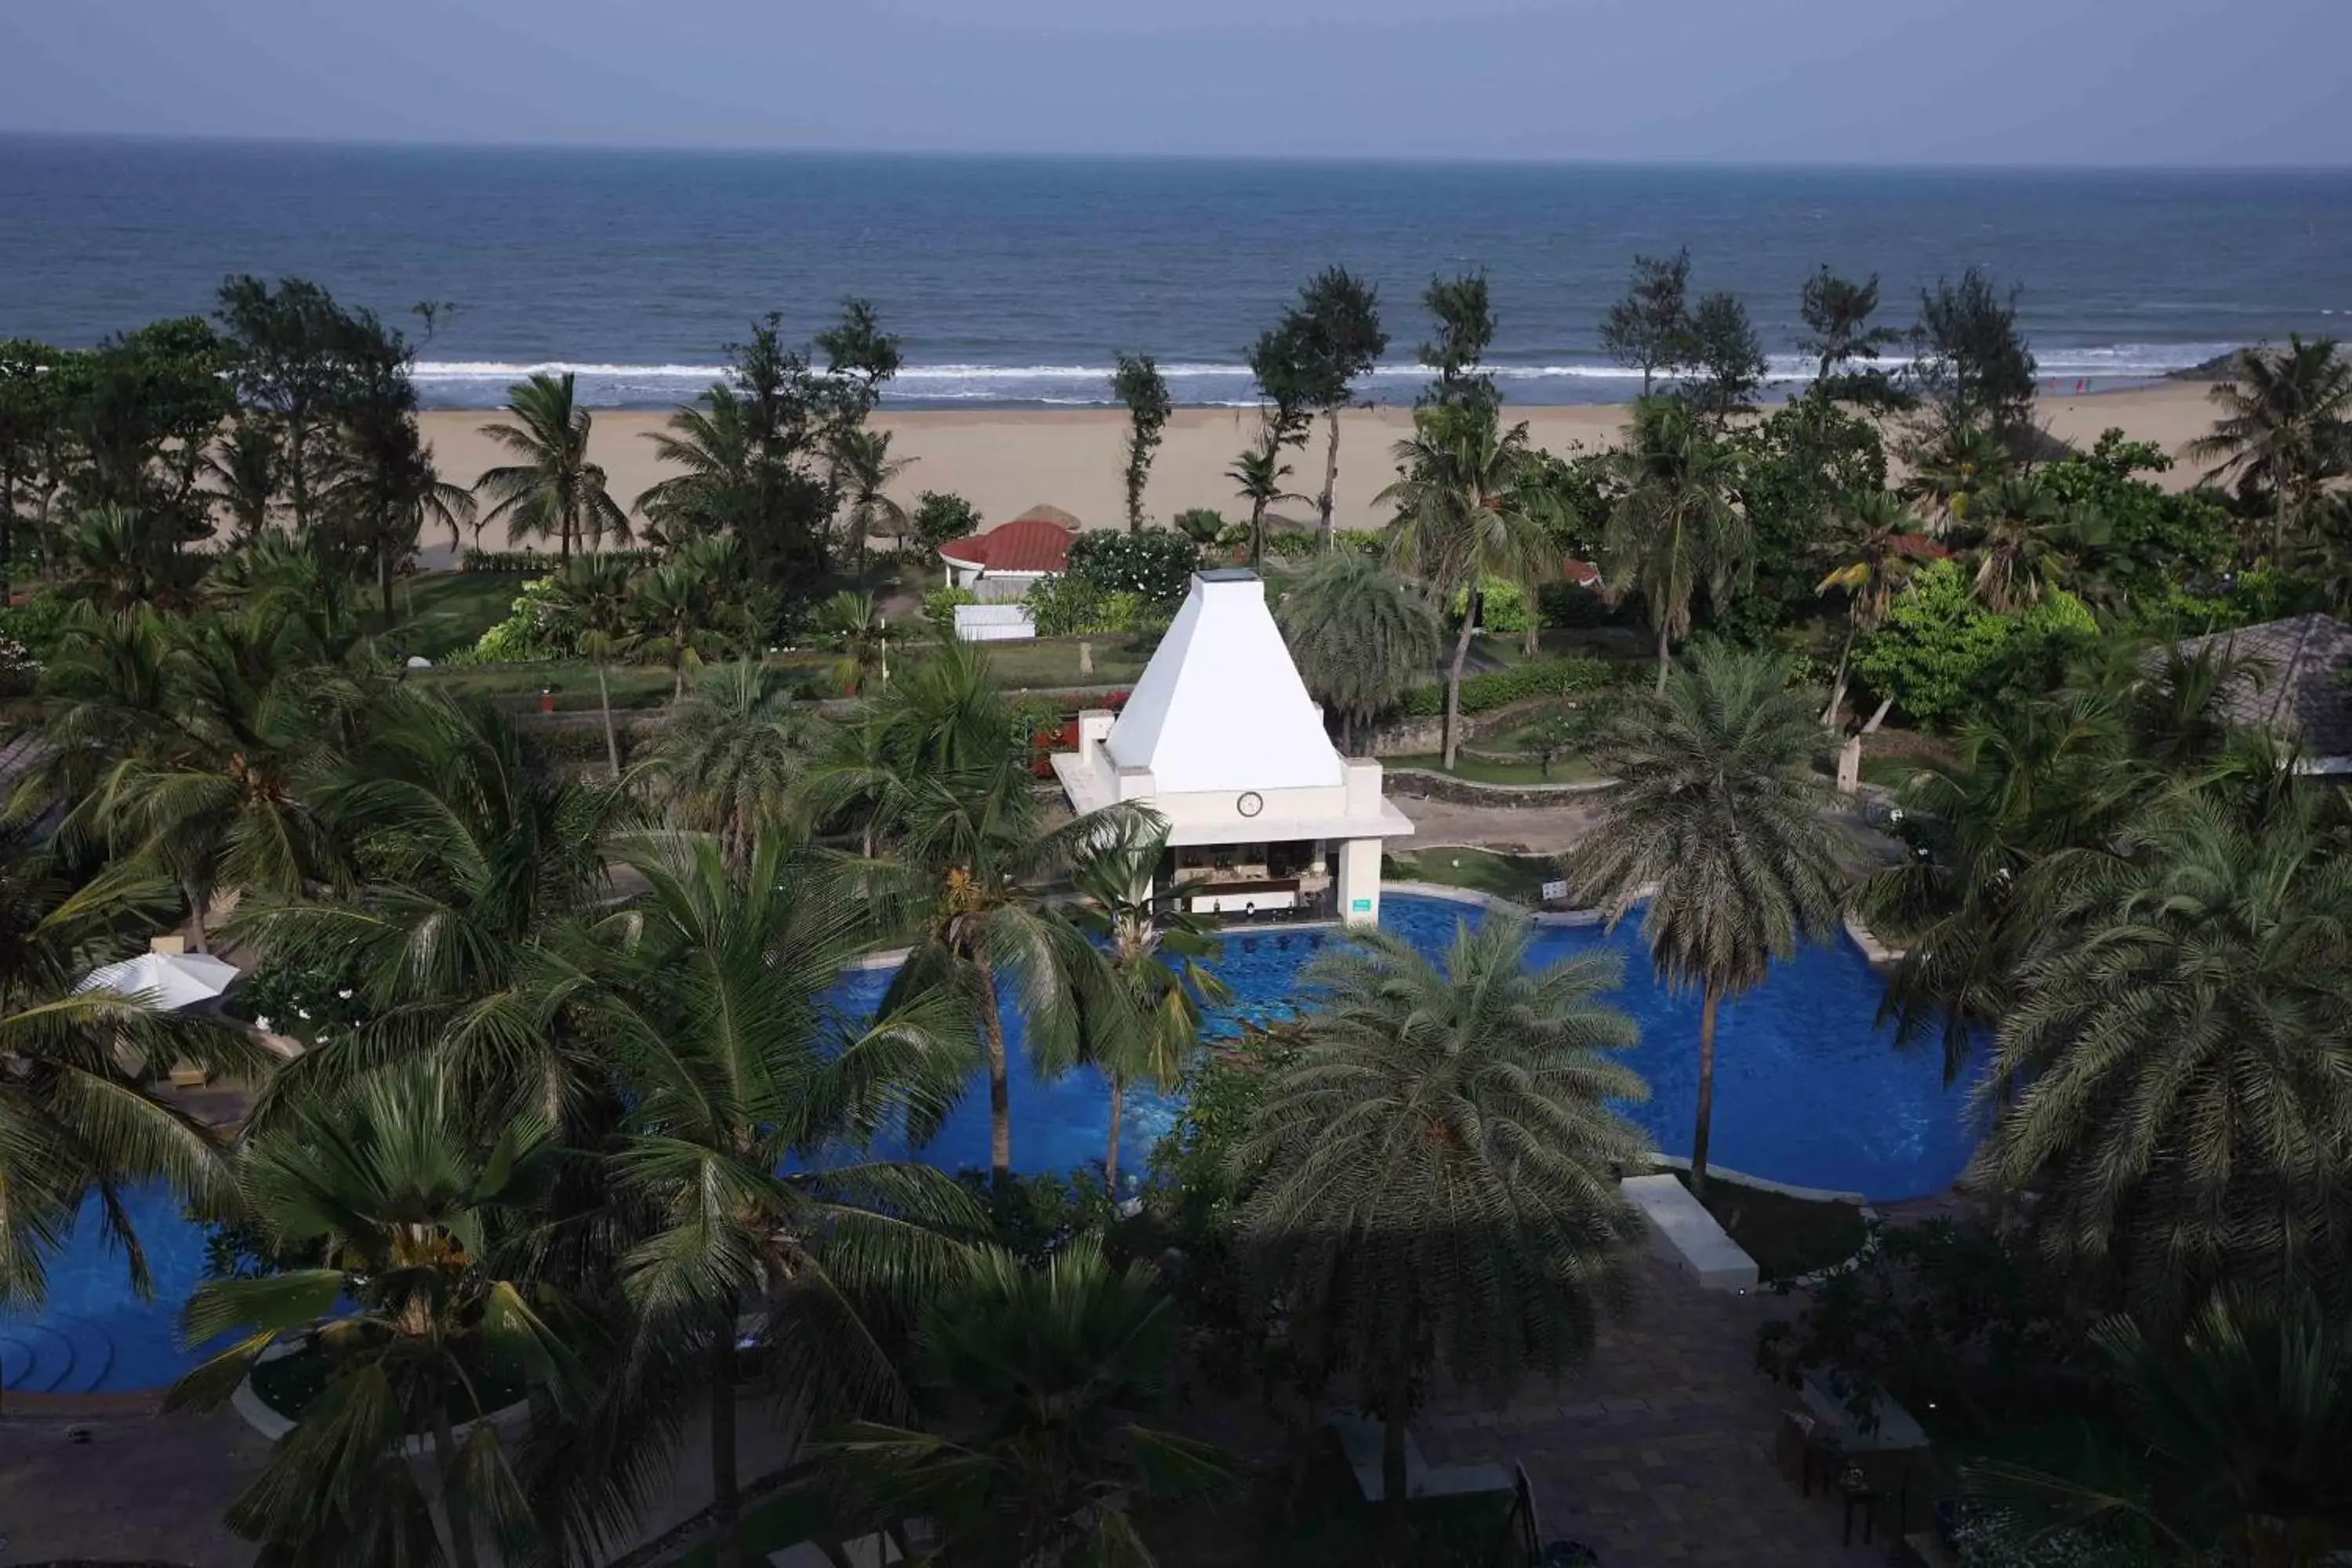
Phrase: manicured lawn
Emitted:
{"points": [[780, 1519], [1520, 878], [518, 686], [1055, 662], [1892, 772], [446, 610], [1568, 769], [1787, 1236]]}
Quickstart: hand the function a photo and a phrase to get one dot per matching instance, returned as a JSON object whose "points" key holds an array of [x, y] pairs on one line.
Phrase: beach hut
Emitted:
{"points": [[1001, 564]]}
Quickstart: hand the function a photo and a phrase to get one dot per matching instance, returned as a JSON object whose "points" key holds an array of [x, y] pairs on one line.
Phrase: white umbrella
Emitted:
{"points": [[165, 980]]}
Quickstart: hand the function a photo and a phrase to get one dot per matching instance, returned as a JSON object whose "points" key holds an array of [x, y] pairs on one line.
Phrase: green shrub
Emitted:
{"points": [[1568, 675], [38, 624], [1204, 526], [528, 634], [1062, 606], [1155, 563], [1303, 544], [1503, 606], [939, 607], [942, 515]]}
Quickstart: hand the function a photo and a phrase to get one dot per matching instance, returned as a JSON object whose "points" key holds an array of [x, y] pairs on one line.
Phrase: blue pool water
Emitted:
{"points": [[1807, 1090]]}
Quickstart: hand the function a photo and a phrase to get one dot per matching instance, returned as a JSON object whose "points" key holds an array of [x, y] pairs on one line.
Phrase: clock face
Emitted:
{"points": [[1250, 804]]}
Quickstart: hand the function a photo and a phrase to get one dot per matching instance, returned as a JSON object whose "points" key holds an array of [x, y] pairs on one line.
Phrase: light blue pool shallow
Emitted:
{"points": [[1808, 1090]]}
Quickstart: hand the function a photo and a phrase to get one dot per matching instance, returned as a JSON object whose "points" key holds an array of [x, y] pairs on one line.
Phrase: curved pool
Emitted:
{"points": [[1808, 1090]]}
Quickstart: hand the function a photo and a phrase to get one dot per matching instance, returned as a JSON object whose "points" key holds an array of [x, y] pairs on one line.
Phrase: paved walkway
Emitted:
{"points": [[1536, 829], [1660, 1451]]}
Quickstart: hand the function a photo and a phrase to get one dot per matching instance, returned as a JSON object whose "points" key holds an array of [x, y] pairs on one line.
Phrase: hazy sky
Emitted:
{"points": [[2006, 81]]}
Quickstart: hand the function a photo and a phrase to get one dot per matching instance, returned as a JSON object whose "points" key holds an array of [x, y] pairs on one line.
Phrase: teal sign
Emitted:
{"points": [[1361, 907]]}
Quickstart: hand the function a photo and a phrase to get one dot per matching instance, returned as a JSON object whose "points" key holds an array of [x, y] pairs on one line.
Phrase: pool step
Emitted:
{"points": [[60, 1354]]}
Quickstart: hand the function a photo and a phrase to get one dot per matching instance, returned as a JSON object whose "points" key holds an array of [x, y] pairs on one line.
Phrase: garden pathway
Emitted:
{"points": [[1659, 1452]]}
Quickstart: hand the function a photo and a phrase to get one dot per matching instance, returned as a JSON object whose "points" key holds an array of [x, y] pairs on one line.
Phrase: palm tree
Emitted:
{"points": [[554, 490], [79, 1114], [244, 467], [467, 855], [1258, 473], [122, 560], [854, 627], [1467, 511], [410, 1202], [2169, 1053], [734, 756], [590, 603], [713, 1011], [1948, 478], [1675, 527], [1031, 1383], [1440, 1164], [2025, 542], [863, 471], [688, 610], [1154, 948], [2285, 426], [1716, 829], [1360, 635], [715, 484], [1875, 549]]}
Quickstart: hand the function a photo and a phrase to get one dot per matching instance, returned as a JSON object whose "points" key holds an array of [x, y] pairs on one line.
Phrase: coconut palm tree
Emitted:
{"points": [[2026, 543], [1675, 527], [1440, 1164], [554, 491], [710, 1006], [591, 604], [407, 1198], [1715, 832], [735, 755], [713, 460], [1361, 635], [1874, 548], [2165, 1071], [689, 610], [1033, 1385], [1155, 950], [2285, 428], [863, 472], [244, 469], [79, 1119], [1257, 475], [1468, 509], [467, 856]]}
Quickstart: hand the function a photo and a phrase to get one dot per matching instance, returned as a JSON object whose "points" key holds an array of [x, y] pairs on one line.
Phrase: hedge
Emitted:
{"points": [[539, 561], [1561, 676], [1157, 564]]}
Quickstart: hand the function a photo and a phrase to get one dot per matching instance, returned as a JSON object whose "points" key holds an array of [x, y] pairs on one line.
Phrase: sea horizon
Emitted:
{"points": [[1014, 277]]}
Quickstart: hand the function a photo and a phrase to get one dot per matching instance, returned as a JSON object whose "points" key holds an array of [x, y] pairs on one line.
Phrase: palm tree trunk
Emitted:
{"points": [[1347, 734], [1257, 534], [1330, 474], [195, 896], [725, 1513], [1111, 1153], [1000, 1091], [383, 581], [1837, 685], [1706, 1093], [1666, 657], [1879, 717], [1453, 679], [604, 701], [445, 1459]]}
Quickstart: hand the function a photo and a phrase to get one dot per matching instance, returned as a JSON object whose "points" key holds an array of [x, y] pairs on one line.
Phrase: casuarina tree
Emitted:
{"points": [[1338, 321], [1137, 383]]}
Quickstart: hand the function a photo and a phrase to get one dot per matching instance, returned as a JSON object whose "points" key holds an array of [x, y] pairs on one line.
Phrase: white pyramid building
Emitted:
{"points": [[1221, 738]]}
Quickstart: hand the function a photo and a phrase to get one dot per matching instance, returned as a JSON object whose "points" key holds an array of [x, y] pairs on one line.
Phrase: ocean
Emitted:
{"points": [[1013, 280]]}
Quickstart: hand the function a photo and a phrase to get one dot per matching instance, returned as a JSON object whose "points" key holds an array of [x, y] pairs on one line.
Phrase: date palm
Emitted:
{"points": [[1715, 832], [554, 490], [863, 472], [1438, 1161], [1675, 527], [1360, 635], [1033, 1385], [709, 1002], [1155, 950], [1873, 549], [2286, 425], [1257, 475], [734, 756], [410, 1195], [1468, 508], [852, 624], [2169, 1053]]}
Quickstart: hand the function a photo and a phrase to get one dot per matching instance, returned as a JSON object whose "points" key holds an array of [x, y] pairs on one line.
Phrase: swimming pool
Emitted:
{"points": [[1808, 1090]]}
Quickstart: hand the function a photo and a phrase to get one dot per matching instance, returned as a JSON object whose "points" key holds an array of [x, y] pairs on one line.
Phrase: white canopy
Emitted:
{"points": [[165, 980], [1220, 706]]}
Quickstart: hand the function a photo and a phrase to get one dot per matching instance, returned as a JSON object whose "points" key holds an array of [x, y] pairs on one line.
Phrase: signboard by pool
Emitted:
{"points": [[1361, 907]]}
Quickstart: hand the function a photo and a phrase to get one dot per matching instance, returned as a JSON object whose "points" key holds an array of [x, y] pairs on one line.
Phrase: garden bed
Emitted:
{"points": [[1786, 1235]]}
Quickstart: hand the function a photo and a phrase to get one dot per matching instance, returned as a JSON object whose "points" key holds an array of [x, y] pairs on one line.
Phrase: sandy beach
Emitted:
{"points": [[1005, 460]]}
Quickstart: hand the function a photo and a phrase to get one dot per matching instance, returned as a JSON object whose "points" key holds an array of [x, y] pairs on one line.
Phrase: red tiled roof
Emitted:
{"points": [[1025, 545], [1583, 573]]}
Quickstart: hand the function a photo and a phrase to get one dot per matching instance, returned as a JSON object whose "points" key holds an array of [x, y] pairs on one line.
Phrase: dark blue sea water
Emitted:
{"points": [[1013, 280]]}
